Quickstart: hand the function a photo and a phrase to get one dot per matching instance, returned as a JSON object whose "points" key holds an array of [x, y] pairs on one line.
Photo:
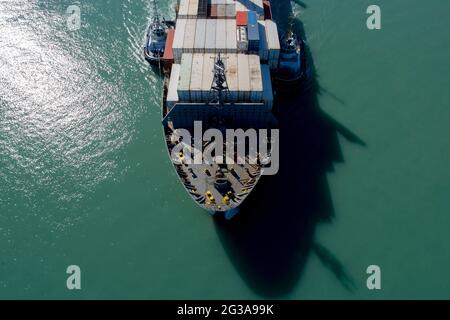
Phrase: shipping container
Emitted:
{"points": [[168, 51], [183, 9], [189, 36], [267, 86], [208, 75], [178, 39], [241, 37], [263, 47], [213, 11], [210, 40], [172, 94], [231, 36], [243, 77], [221, 37], [193, 9], [252, 32], [196, 77], [185, 77], [255, 78], [221, 11], [200, 36], [273, 42], [231, 10], [241, 18]]}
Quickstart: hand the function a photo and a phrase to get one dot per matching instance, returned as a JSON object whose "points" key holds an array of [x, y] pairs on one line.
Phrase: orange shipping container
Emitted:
{"points": [[168, 52], [241, 18]]}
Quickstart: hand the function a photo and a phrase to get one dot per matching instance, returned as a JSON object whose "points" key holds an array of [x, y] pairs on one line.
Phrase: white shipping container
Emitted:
{"points": [[185, 77], [243, 77], [231, 67], [267, 86], [208, 75], [273, 43], [193, 8], [172, 94], [273, 40], [221, 11], [196, 77], [210, 40], [221, 37], [263, 47], [200, 36], [231, 10], [178, 39], [189, 36], [183, 9], [231, 35], [255, 78], [242, 41]]}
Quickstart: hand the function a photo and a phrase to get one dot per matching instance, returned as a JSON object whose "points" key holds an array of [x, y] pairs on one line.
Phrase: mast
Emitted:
{"points": [[155, 12], [219, 83]]}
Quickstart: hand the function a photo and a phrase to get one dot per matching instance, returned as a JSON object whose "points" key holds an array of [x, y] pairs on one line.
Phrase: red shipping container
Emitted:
{"points": [[241, 18], [168, 51]]}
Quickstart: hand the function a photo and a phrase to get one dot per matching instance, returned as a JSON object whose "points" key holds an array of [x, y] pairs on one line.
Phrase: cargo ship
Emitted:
{"points": [[219, 64]]}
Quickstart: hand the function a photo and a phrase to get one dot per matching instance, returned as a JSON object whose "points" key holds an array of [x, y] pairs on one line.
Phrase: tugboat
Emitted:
{"points": [[156, 38], [292, 64]]}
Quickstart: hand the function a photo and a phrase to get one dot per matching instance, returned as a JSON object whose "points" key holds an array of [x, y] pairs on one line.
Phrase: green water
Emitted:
{"points": [[85, 178]]}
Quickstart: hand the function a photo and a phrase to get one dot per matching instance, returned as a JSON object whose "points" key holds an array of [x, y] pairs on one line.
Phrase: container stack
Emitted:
{"points": [[221, 36], [208, 75], [231, 66], [243, 78], [200, 36], [179, 39], [222, 9], [267, 86], [263, 47], [273, 43], [256, 89], [231, 46], [242, 40], [210, 37], [252, 32], [184, 84], [196, 77], [172, 92], [183, 9], [189, 36], [193, 9]]}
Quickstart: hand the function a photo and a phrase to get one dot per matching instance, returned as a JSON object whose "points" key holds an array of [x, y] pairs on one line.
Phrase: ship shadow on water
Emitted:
{"points": [[271, 239]]}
